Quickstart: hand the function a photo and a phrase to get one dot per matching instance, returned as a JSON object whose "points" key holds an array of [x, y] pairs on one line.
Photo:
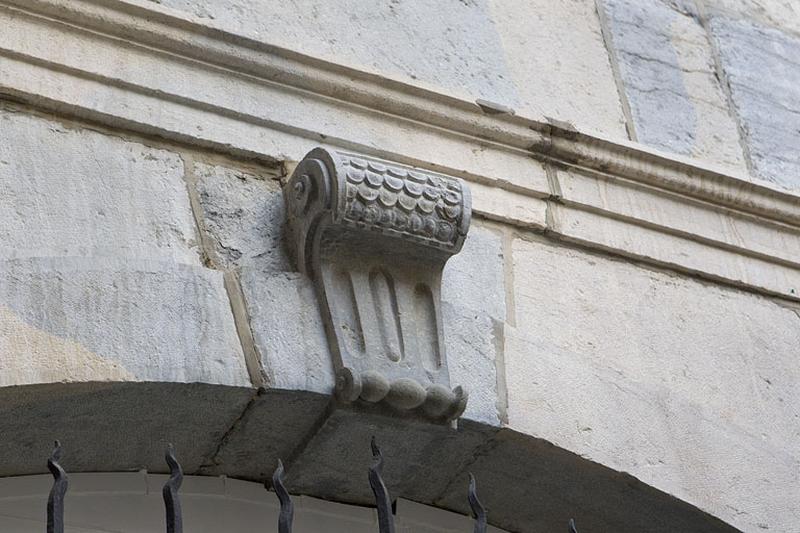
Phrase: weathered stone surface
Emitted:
{"points": [[558, 62], [107, 427], [272, 427], [764, 77], [75, 319], [668, 72], [785, 14], [473, 50], [472, 340], [420, 459], [692, 254], [672, 211], [528, 484], [243, 214], [404, 41], [233, 113], [288, 331], [509, 207], [474, 308], [474, 278], [70, 192], [688, 369]]}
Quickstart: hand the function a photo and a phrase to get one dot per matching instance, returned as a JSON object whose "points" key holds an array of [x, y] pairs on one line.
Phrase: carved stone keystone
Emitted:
{"points": [[375, 236]]}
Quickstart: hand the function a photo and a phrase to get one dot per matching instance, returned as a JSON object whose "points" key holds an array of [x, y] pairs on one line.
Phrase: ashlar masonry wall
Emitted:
{"points": [[131, 260], [625, 311]]}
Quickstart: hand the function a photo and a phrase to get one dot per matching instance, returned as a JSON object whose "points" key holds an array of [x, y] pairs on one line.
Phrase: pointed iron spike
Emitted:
{"points": [[376, 452], [376, 455], [478, 511], [572, 528], [382, 500], [286, 515], [55, 455], [55, 502], [172, 502]]}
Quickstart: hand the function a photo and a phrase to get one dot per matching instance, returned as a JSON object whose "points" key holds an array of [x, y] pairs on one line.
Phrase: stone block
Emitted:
{"points": [[420, 459], [601, 344], [76, 192], [77, 319], [106, 427], [243, 214], [764, 78], [580, 406], [578, 87], [471, 50], [783, 14], [472, 340], [667, 69], [508, 207], [287, 330], [272, 427], [474, 278]]}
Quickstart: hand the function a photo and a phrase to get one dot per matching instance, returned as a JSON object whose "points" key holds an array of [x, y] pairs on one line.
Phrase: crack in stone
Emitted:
{"points": [[707, 71], [687, 96], [211, 461], [484, 448]]}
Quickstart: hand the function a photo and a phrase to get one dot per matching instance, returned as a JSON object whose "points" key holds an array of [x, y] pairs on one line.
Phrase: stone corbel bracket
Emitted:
{"points": [[375, 236]]}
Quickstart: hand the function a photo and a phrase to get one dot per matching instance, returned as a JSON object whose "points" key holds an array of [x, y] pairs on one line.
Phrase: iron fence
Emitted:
{"points": [[172, 502]]}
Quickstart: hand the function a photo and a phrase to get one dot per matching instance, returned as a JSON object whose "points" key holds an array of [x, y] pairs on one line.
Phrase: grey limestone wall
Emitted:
{"points": [[128, 260], [101, 274], [148, 282], [712, 80]]}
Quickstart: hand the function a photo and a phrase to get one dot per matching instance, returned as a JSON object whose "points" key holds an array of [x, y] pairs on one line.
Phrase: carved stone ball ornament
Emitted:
{"points": [[375, 236]]}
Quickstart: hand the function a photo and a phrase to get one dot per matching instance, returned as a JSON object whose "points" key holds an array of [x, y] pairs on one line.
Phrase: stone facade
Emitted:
{"points": [[624, 309]]}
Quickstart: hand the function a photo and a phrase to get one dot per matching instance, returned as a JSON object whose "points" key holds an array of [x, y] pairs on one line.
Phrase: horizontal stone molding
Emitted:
{"points": [[230, 93]]}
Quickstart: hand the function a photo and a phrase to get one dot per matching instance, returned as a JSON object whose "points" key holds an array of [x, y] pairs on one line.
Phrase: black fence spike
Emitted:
{"points": [[172, 502], [572, 528], [286, 515], [55, 502], [478, 511], [382, 500]]}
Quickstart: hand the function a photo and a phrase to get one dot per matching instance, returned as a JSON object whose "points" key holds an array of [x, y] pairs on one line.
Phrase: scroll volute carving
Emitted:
{"points": [[375, 236]]}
